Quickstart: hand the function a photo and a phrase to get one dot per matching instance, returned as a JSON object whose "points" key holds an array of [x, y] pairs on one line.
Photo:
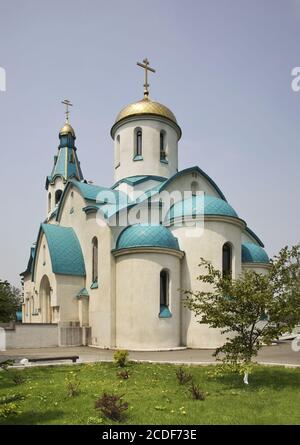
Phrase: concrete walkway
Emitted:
{"points": [[281, 353]]}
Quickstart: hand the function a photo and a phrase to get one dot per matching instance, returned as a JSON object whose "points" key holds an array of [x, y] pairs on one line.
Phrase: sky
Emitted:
{"points": [[222, 66]]}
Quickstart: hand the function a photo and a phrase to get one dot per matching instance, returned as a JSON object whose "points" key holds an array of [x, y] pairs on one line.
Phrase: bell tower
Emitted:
{"points": [[66, 164]]}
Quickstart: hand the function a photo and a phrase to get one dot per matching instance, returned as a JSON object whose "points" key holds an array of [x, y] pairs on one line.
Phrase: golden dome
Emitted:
{"points": [[67, 128], [146, 106]]}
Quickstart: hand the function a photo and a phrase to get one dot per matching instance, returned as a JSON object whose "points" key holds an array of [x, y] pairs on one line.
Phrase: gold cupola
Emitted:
{"points": [[146, 108]]}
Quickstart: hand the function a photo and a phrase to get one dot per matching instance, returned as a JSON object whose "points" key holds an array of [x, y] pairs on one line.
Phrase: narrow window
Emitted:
{"points": [[164, 288], [138, 143], [44, 255], [227, 260], [95, 260], [58, 194], [162, 146], [49, 202], [194, 188], [118, 151]]}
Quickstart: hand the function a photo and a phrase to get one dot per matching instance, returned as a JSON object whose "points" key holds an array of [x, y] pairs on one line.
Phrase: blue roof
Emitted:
{"points": [[141, 235], [66, 165], [65, 250], [252, 253], [30, 263], [134, 180], [201, 205]]}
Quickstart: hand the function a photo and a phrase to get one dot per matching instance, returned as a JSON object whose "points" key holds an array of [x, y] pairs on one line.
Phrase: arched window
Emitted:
{"points": [[58, 194], [164, 288], [138, 142], [118, 151], [44, 254], [49, 202], [195, 188], [162, 146], [227, 260], [95, 260]]}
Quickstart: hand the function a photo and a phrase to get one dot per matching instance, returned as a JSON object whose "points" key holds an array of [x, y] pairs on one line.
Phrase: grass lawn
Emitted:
{"points": [[154, 395]]}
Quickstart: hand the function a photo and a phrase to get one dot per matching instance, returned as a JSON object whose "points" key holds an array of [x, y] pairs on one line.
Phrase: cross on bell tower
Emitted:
{"points": [[68, 104], [147, 68]]}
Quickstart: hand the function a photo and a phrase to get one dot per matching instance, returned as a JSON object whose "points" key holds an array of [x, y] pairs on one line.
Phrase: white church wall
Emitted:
{"points": [[208, 246], [138, 325], [101, 299], [125, 165], [183, 184]]}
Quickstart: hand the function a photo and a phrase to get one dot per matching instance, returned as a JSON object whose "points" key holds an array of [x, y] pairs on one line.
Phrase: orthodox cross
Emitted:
{"points": [[147, 68], [68, 104]]}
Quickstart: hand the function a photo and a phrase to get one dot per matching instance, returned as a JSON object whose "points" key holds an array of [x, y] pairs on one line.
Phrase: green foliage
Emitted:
{"points": [[10, 300], [121, 358], [196, 392], [183, 376], [112, 406], [11, 398], [72, 384], [9, 409], [253, 309], [17, 378]]}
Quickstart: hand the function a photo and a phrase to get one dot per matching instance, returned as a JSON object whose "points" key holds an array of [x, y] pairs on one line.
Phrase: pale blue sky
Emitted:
{"points": [[223, 67]]}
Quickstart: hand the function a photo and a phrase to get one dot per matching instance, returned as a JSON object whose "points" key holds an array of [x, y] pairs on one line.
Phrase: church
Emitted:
{"points": [[109, 263]]}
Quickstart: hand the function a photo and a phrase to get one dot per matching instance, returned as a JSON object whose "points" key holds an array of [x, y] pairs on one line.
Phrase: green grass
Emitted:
{"points": [[154, 395]]}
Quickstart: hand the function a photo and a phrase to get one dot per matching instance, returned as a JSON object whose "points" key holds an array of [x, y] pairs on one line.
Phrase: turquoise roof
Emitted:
{"points": [[194, 169], [141, 235], [65, 250], [201, 205], [30, 263], [82, 293], [134, 180], [66, 163], [252, 253]]}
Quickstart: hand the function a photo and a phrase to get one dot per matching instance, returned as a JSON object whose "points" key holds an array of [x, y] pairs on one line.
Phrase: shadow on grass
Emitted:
{"points": [[32, 418]]}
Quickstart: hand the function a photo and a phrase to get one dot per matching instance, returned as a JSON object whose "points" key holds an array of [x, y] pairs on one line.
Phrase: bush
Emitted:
{"points": [[111, 406], [183, 377], [196, 392], [9, 399], [123, 374], [72, 384], [18, 379], [7, 410], [121, 358]]}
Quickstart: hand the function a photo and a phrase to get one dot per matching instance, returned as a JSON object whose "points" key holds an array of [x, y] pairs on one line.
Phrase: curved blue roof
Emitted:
{"points": [[65, 250], [201, 205], [147, 236], [252, 253]]}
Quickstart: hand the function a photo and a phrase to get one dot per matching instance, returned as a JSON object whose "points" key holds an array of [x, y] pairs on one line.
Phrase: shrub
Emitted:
{"points": [[9, 399], [196, 392], [8, 409], [111, 406], [123, 374], [183, 377], [121, 358], [72, 384], [17, 378]]}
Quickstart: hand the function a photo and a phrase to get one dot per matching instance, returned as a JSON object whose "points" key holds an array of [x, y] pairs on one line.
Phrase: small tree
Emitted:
{"points": [[9, 301], [254, 308]]}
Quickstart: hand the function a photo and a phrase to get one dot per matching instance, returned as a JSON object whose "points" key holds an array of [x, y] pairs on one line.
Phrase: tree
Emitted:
{"points": [[10, 300], [253, 309]]}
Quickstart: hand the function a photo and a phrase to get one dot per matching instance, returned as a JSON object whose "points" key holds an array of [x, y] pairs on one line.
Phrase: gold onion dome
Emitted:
{"points": [[146, 106], [66, 129]]}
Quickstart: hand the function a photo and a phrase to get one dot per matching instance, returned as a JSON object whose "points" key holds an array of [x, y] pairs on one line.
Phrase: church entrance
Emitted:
{"points": [[45, 300]]}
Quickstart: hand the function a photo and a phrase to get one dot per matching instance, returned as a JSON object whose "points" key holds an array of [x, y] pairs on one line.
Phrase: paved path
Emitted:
{"points": [[278, 354]]}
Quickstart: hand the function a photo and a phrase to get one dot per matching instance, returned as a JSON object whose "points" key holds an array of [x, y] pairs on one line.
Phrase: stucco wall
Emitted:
{"points": [[150, 165], [138, 325], [32, 336], [209, 246]]}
